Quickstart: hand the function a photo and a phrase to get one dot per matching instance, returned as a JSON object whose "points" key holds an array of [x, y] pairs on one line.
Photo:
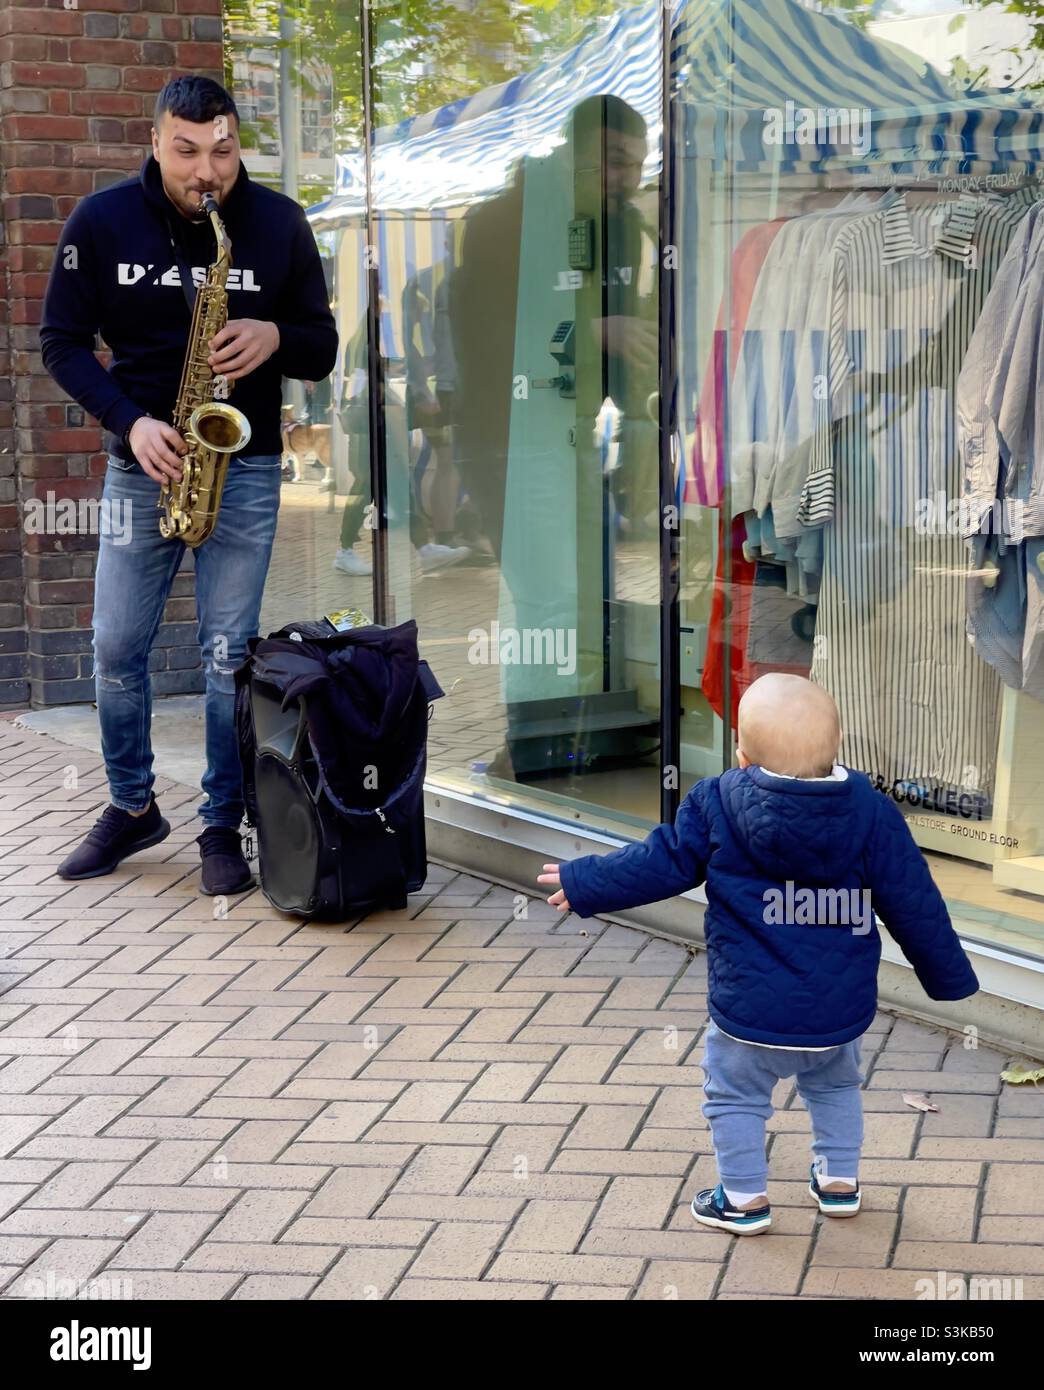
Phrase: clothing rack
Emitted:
{"points": [[976, 183], [930, 188]]}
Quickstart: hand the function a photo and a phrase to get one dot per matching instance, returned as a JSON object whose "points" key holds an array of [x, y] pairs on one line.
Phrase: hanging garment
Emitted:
{"points": [[781, 371], [730, 612], [1001, 442], [706, 485], [1006, 609], [907, 286], [714, 440]]}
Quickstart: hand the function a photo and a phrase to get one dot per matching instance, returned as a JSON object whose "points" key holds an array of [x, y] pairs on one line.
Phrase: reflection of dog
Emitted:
{"points": [[302, 440]]}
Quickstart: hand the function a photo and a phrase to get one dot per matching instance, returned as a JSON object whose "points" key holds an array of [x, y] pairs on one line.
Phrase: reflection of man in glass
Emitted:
{"points": [[602, 133]]}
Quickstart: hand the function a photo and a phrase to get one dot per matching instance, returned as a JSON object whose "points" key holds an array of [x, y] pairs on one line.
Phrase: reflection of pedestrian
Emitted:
{"points": [[319, 396], [355, 421], [305, 428], [429, 367], [354, 416]]}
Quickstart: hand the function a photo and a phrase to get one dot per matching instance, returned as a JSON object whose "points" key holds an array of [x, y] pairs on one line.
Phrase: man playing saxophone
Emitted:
{"points": [[128, 265]]}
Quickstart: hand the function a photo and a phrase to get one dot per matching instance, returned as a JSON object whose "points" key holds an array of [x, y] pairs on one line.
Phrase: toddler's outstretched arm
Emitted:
{"points": [[671, 859]]}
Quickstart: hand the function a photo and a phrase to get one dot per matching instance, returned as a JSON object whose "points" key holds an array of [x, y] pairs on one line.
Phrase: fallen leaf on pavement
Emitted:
{"points": [[1018, 1074], [920, 1103]]}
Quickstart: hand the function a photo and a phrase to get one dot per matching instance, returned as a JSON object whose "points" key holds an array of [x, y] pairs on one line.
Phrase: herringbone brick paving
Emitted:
{"points": [[470, 1098]]}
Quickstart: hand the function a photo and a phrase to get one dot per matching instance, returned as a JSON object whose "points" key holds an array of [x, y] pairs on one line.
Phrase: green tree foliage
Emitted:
{"points": [[425, 53]]}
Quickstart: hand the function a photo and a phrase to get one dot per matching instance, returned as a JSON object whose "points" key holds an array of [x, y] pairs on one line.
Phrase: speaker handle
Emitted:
{"points": [[268, 745]]}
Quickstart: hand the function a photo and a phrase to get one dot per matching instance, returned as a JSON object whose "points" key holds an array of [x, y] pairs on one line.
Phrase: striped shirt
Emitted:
{"points": [[782, 354], [907, 284]]}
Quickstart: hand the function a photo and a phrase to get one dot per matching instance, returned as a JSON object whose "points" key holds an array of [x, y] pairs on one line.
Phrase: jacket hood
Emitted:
{"points": [[806, 831]]}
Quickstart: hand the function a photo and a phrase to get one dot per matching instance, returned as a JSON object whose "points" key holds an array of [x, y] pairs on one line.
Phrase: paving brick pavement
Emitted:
{"points": [[445, 1102]]}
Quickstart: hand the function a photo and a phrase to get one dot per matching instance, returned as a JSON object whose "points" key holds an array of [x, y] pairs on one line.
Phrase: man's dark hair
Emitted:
{"points": [[195, 99]]}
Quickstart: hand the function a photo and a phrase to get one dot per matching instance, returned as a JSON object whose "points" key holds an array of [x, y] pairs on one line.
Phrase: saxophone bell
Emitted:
{"points": [[220, 427]]}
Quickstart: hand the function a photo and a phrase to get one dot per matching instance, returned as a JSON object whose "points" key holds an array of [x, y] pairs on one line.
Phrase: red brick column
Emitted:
{"points": [[78, 80]]}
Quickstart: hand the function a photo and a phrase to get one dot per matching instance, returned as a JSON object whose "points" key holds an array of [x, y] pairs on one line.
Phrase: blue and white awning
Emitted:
{"points": [[738, 66], [466, 151], [783, 85]]}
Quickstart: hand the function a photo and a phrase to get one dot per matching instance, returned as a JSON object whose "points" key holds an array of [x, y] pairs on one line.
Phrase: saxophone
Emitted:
{"points": [[212, 429]]}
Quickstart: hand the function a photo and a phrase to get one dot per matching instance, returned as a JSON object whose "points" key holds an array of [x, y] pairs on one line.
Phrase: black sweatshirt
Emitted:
{"points": [[116, 273]]}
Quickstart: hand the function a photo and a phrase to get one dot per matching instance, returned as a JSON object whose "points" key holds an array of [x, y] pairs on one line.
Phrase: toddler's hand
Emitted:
{"points": [[550, 875]]}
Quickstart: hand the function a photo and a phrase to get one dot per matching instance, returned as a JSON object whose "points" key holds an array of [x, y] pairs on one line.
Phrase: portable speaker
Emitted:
{"points": [[318, 858]]}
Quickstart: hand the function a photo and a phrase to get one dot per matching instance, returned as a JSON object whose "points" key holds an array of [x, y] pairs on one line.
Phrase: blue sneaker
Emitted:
{"points": [[713, 1208], [833, 1203]]}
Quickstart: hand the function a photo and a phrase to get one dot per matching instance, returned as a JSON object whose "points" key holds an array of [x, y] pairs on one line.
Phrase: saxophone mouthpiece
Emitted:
{"points": [[207, 203]]}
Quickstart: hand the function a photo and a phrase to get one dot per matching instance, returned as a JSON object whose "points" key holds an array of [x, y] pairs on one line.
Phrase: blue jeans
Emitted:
{"points": [[136, 568], [738, 1085]]}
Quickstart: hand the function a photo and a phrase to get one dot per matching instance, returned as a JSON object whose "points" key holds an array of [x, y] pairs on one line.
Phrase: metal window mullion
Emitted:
{"points": [[375, 364], [670, 619]]}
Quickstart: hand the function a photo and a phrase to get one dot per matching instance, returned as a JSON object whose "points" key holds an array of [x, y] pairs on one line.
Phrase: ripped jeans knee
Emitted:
{"points": [[115, 672]]}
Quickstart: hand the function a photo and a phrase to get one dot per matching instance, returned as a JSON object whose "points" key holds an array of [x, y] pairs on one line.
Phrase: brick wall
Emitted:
{"points": [[78, 79]]}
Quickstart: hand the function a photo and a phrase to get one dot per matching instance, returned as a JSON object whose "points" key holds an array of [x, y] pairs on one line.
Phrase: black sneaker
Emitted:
{"points": [[225, 870], [114, 835], [713, 1208]]}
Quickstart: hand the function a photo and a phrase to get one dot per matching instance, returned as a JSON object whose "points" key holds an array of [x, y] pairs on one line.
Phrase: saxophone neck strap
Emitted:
{"points": [[188, 288]]}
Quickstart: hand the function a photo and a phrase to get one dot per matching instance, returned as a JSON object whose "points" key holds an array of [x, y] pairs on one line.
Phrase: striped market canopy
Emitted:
{"points": [[775, 84], [760, 87], [466, 151], [758, 84]]}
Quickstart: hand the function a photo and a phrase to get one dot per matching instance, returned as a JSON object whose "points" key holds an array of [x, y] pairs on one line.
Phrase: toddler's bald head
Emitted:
{"points": [[789, 725]]}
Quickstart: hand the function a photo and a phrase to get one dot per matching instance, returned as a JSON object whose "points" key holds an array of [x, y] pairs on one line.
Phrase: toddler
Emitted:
{"points": [[798, 854]]}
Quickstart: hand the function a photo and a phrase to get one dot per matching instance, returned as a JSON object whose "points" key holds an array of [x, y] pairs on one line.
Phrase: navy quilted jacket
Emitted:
{"points": [[790, 982]]}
